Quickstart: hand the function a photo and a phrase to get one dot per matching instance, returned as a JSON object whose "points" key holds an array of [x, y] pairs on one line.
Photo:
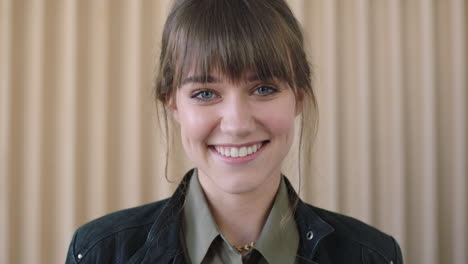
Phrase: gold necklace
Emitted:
{"points": [[245, 248]]}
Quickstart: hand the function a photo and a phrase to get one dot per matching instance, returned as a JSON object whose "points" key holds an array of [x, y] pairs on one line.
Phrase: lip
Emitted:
{"points": [[239, 160], [239, 145]]}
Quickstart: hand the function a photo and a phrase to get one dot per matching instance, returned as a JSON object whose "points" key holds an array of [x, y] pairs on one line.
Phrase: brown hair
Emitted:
{"points": [[234, 37]]}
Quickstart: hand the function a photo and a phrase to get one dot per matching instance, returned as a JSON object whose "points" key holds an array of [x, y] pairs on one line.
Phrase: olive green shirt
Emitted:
{"points": [[278, 242]]}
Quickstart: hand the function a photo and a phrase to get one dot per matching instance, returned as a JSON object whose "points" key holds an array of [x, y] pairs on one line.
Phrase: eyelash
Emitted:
{"points": [[195, 95], [271, 88]]}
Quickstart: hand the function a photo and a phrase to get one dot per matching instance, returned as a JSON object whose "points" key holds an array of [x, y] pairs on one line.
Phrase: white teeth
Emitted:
{"points": [[238, 152], [249, 150], [234, 152], [225, 152], [243, 152]]}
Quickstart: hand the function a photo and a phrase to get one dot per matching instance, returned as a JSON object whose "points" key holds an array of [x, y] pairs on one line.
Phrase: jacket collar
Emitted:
{"points": [[312, 228], [164, 243]]}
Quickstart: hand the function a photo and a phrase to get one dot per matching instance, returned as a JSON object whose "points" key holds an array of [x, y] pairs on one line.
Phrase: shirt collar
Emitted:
{"points": [[279, 232], [199, 226], [161, 245]]}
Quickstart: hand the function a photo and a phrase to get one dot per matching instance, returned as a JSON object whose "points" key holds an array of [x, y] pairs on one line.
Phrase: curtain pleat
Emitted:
{"points": [[5, 17], [80, 137], [97, 90]]}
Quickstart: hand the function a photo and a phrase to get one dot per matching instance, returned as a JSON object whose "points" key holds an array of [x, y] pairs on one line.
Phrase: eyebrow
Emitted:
{"points": [[200, 79], [211, 79]]}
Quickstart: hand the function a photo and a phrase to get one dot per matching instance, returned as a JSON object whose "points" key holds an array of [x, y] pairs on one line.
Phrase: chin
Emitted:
{"points": [[237, 188], [239, 184]]}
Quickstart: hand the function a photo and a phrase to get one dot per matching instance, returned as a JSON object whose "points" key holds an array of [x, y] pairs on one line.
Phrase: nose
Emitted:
{"points": [[237, 118]]}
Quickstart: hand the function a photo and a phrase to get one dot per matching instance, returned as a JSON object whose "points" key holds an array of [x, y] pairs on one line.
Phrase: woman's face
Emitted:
{"points": [[237, 134]]}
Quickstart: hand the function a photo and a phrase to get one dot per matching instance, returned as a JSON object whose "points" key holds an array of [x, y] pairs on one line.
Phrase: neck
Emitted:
{"points": [[240, 217]]}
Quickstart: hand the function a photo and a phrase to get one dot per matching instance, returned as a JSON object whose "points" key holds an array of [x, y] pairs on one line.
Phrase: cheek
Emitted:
{"points": [[279, 118], [195, 125], [282, 126]]}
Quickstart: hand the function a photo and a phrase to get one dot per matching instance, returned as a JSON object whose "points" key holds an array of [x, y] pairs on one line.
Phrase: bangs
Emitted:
{"points": [[233, 38]]}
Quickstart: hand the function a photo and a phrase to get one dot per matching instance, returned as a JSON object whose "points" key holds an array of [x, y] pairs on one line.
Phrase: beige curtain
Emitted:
{"points": [[78, 134]]}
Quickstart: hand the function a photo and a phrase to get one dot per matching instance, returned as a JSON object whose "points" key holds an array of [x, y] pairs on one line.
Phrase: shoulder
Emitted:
{"points": [[132, 218], [116, 229], [353, 229], [352, 234]]}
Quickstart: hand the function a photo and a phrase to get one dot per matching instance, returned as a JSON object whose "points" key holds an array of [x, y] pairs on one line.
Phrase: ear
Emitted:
{"points": [[299, 101], [171, 108]]}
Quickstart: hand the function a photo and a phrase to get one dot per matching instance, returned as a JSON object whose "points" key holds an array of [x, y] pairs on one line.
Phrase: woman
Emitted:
{"points": [[234, 76]]}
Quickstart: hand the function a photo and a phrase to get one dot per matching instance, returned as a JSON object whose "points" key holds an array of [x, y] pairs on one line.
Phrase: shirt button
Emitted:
{"points": [[310, 235], [80, 256]]}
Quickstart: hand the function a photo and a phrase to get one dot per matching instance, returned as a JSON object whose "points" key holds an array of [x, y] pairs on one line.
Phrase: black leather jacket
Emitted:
{"points": [[150, 234]]}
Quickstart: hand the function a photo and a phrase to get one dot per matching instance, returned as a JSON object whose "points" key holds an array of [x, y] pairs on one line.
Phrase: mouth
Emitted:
{"points": [[239, 151]]}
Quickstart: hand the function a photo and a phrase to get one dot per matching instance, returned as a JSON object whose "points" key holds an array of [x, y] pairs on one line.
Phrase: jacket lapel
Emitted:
{"points": [[163, 244], [312, 228]]}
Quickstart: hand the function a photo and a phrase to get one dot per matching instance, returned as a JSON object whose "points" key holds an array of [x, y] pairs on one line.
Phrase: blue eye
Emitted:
{"points": [[265, 90], [204, 95]]}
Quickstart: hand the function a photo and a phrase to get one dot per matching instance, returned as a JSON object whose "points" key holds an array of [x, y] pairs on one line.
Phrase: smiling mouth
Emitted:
{"points": [[236, 152]]}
